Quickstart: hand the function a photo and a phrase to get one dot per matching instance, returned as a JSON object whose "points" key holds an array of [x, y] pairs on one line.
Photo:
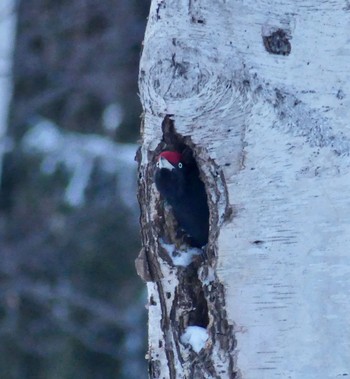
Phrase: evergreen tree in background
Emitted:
{"points": [[71, 305]]}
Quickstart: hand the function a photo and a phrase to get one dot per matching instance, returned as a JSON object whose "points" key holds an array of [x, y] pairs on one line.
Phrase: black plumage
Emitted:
{"points": [[179, 183]]}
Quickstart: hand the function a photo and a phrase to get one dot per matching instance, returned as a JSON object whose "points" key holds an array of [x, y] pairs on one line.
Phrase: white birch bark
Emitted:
{"points": [[273, 132]]}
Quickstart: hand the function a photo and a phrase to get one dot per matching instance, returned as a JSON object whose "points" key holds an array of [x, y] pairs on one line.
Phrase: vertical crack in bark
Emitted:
{"points": [[166, 327], [190, 295]]}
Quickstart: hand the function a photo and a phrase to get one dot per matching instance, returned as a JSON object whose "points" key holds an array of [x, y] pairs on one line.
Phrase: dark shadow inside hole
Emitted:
{"points": [[191, 299], [199, 315]]}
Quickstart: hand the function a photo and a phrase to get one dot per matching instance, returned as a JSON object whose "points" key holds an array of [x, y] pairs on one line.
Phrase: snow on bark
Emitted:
{"points": [[195, 336], [260, 91]]}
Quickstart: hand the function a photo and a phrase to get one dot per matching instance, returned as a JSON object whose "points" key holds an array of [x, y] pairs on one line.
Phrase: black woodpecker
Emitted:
{"points": [[179, 184]]}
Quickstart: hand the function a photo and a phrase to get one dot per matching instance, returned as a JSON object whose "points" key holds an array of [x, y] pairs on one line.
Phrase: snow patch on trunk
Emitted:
{"points": [[180, 257], [195, 336]]}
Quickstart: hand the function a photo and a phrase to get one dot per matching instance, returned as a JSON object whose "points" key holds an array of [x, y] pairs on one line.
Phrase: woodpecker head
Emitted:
{"points": [[169, 160], [170, 174]]}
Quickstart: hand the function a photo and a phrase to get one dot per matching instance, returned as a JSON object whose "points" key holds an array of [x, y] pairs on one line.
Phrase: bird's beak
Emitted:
{"points": [[164, 163]]}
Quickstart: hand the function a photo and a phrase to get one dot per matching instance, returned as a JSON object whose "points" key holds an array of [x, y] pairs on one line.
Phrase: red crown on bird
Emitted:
{"points": [[173, 157]]}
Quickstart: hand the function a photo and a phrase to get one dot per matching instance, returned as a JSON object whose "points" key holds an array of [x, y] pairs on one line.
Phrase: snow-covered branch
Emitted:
{"points": [[79, 154]]}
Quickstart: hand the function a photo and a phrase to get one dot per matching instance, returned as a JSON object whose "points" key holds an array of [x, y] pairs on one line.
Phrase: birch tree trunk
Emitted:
{"points": [[260, 91]]}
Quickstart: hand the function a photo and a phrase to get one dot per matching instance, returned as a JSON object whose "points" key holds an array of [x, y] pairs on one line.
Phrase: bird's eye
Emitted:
{"points": [[158, 164], [179, 165]]}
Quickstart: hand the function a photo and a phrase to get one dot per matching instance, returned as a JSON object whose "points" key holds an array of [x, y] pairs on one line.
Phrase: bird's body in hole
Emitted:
{"points": [[177, 180]]}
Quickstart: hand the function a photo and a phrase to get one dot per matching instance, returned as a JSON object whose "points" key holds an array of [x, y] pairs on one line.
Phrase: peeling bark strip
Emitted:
{"points": [[181, 295]]}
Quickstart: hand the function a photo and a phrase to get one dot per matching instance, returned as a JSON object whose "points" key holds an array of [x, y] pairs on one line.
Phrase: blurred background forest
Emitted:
{"points": [[71, 305]]}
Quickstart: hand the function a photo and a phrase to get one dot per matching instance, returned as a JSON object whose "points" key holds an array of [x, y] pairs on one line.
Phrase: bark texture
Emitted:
{"points": [[260, 92], [182, 296]]}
